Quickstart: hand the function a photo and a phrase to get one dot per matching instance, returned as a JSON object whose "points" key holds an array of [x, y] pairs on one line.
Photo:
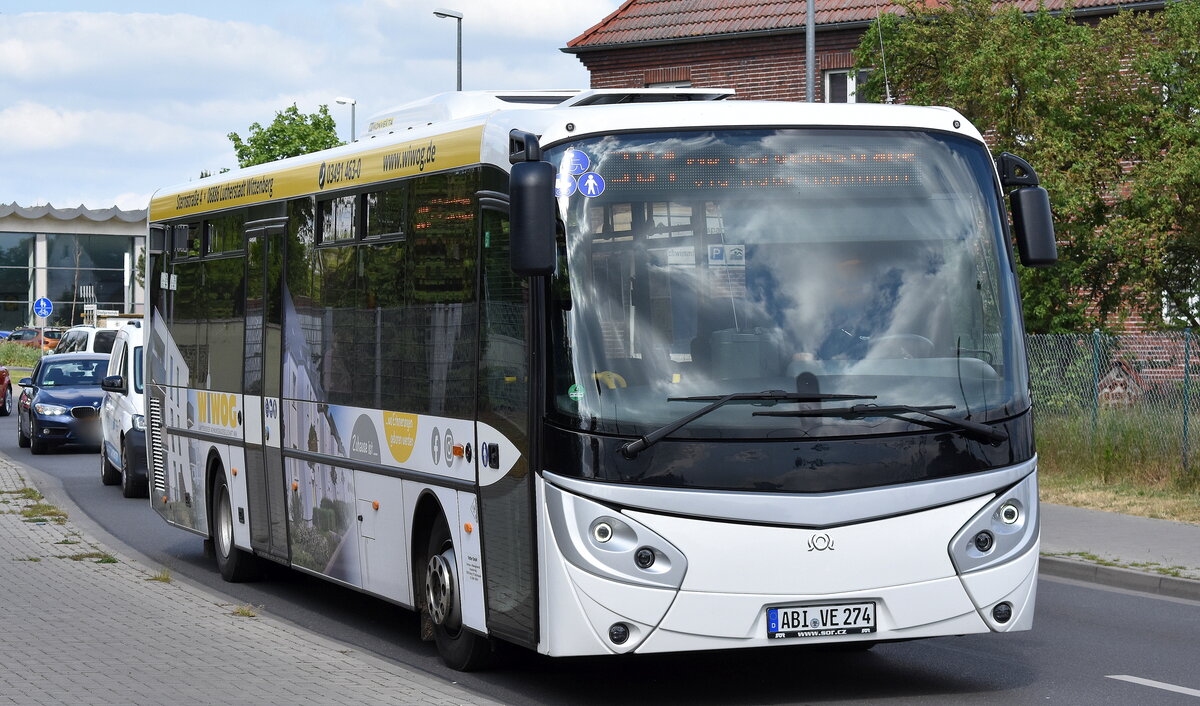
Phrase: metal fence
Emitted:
{"points": [[1132, 390]]}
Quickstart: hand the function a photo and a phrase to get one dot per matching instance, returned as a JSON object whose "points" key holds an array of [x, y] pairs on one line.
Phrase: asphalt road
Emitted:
{"points": [[1085, 636]]}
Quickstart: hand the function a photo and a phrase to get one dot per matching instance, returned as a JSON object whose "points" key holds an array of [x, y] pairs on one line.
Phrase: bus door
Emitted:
{"points": [[506, 503], [261, 381]]}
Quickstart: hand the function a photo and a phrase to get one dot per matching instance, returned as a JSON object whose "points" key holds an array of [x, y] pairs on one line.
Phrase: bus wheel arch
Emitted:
{"points": [[437, 590]]}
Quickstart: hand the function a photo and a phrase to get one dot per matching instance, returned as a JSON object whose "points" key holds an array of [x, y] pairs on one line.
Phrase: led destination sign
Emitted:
{"points": [[734, 169]]}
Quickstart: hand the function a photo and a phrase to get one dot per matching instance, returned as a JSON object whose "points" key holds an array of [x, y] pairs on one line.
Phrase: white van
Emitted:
{"points": [[86, 339], [122, 415]]}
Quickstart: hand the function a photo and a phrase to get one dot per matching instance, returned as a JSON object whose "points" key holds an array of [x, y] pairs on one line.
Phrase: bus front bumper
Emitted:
{"points": [[713, 584]]}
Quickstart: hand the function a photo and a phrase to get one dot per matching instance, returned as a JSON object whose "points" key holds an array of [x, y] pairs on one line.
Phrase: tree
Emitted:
{"points": [[1105, 113], [290, 134]]}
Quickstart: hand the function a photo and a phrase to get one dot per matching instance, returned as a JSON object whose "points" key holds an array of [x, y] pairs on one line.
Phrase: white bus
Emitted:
{"points": [[610, 372]]}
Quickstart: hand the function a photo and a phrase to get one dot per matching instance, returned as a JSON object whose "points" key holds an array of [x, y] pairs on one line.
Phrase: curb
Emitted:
{"points": [[1118, 577]]}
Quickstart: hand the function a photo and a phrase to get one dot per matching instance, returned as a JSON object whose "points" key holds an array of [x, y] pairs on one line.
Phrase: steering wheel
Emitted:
{"points": [[901, 345]]}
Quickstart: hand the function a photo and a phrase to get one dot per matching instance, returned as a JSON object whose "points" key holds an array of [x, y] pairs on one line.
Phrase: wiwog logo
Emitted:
{"points": [[321, 177]]}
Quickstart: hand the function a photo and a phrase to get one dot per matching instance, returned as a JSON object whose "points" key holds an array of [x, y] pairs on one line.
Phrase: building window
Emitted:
{"points": [[840, 85]]}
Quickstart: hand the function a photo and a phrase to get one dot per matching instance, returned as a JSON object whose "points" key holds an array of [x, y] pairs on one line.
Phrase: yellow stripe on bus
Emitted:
{"points": [[446, 151]]}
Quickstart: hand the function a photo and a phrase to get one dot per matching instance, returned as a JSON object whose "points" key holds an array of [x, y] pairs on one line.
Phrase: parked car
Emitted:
{"points": [[6, 405], [60, 402], [122, 416], [46, 338], [86, 339]]}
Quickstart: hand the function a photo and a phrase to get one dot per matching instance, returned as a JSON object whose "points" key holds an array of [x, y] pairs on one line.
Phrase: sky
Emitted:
{"points": [[102, 103]]}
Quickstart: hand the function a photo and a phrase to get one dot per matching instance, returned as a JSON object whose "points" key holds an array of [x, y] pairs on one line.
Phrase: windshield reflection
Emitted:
{"points": [[812, 261]]}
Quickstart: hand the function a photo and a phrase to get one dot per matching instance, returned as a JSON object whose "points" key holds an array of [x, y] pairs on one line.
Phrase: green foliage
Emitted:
{"points": [[1126, 445], [15, 355], [1108, 116], [289, 135]]}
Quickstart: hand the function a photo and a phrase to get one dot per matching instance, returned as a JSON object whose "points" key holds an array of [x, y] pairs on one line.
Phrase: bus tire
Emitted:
{"points": [[235, 564], [459, 648]]}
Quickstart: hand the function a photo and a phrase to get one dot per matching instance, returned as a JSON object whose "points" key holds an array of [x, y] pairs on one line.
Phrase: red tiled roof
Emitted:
{"points": [[639, 21]]}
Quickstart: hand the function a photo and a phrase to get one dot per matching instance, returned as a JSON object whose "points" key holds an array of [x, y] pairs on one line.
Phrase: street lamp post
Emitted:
{"points": [[443, 12], [344, 101]]}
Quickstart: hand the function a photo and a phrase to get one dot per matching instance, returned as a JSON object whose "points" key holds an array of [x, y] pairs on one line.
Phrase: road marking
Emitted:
{"points": [[1156, 684]]}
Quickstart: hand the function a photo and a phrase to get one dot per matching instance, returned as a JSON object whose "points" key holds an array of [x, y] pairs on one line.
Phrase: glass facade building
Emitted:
{"points": [[82, 260]]}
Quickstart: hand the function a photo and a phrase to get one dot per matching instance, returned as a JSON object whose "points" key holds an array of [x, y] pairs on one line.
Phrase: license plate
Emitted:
{"points": [[830, 620]]}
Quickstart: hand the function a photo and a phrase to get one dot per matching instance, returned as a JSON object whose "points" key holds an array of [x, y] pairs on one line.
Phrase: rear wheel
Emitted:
{"points": [[109, 475], [6, 408], [130, 486], [458, 647], [235, 564]]}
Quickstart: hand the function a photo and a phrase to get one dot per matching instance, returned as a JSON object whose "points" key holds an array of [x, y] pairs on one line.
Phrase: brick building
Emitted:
{"points": [[756, 47]]}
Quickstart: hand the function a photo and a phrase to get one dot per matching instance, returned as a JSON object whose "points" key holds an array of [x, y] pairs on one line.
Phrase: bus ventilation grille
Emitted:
{"points": [[158, 462]]}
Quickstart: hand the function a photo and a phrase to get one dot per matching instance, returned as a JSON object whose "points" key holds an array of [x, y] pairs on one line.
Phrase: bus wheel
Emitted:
{"points": [[235, 565], [458, 647]]}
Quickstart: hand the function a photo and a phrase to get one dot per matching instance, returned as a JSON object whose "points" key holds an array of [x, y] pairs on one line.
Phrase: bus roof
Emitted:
{"points": [[459, 129]]}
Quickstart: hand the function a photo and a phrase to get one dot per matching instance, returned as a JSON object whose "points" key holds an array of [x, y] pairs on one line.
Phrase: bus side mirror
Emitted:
{"points": [[1034, 226], [532, 250], [1033, 223], [158, 238]]}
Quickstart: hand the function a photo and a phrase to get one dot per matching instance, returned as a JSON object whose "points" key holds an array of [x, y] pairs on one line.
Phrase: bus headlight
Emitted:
{"points": [[607, 543], [1004, 529], [138, 422]]}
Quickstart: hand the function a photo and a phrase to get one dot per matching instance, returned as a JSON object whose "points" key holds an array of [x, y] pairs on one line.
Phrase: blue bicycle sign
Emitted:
{"points": [[43, 307]]}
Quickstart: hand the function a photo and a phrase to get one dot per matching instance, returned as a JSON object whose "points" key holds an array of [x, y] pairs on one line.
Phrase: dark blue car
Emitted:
{"points": [[60, 402]]}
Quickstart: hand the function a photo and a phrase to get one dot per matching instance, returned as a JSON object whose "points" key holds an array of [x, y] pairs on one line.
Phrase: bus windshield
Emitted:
{"points": [[822, 261]]}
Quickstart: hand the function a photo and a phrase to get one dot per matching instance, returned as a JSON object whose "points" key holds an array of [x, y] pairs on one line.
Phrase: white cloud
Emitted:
{"points": [[127, 201], [31, 127], [178, 50], [547, 20]]}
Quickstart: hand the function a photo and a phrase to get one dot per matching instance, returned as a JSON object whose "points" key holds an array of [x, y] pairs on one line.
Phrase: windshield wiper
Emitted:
{"points": [[633, 448], [987, 431]]}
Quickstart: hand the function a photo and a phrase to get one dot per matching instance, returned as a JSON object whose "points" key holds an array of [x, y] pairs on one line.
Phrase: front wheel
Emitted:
{"points": [[109, 475], [235, 564], [36, 445], [6, 408], [130, 487], [459, 648]]}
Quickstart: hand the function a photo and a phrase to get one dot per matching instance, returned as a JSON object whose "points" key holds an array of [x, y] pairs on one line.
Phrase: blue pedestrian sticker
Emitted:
{"points": [[575, 162], [564, 185], [591, 184]]}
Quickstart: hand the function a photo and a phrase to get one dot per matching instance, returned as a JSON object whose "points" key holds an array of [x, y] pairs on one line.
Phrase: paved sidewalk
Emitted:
{"points": [[80, 624], [1138, 553]]}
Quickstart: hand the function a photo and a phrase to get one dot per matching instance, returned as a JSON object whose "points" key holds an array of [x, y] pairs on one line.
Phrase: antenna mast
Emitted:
{"points": [[887, 87]]}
